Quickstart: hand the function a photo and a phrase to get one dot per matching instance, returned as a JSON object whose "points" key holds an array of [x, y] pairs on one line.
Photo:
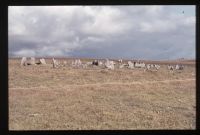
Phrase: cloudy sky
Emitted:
{"points": [[142, 32]]}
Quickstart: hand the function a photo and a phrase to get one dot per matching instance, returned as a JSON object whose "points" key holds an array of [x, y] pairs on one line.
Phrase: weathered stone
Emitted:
{"points": [[23, 61]]}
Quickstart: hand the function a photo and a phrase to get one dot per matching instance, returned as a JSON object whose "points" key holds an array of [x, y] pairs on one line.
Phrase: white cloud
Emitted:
{"points": [[95, 39], [158, 26], [189, 21], [106, 21], [25, 52]]}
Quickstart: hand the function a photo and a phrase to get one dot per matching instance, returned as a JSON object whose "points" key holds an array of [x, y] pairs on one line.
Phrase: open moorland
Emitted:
{"points": [[67, 98]]}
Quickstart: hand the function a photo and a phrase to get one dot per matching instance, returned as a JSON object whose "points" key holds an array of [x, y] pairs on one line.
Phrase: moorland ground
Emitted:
{"points": [[41, 97]]}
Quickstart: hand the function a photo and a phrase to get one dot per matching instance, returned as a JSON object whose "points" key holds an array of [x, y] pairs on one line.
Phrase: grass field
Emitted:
{"points": [[44, 98]]}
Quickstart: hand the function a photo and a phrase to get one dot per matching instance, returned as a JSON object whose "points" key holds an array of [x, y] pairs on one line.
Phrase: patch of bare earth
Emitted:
{"points": [[42, 98]]}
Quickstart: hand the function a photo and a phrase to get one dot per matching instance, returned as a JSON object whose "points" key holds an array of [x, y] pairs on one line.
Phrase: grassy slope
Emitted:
{"points": [[41, 97]]}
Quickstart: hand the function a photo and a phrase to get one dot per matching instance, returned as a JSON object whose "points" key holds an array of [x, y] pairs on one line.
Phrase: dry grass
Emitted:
{"points": [[41, 97]]}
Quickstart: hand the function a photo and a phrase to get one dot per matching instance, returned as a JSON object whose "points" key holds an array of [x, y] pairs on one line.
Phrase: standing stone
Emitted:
{"points": [[23, 61], [130, 65], [77, 63], [65, 63], [109, 64], [100, 63], [42, 61], [32, 61], [55, 63]]}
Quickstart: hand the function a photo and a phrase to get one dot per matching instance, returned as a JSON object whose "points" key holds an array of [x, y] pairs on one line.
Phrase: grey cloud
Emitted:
{"points": [[93, 32]]}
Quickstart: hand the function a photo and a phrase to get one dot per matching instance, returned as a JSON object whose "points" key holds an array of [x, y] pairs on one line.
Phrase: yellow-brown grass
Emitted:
{"points": [[41, 97]]}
